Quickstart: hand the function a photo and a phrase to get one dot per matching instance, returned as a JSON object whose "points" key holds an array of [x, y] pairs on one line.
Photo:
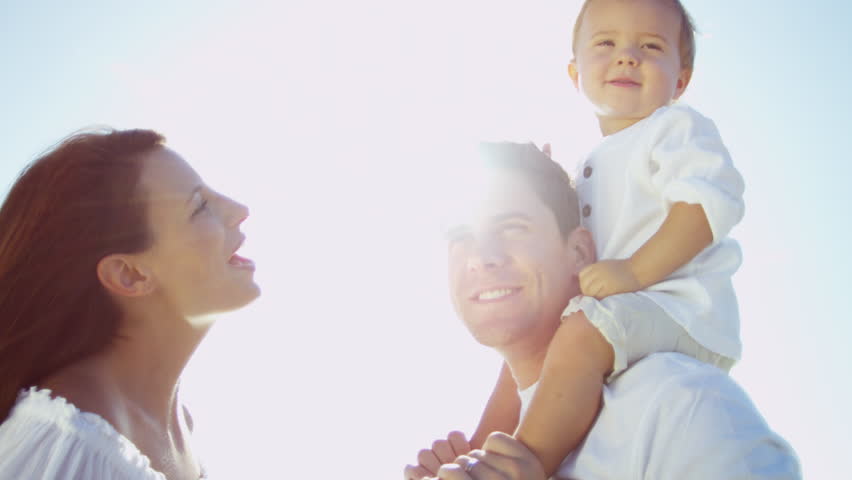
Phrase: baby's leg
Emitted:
{"points": [[567, 398]]}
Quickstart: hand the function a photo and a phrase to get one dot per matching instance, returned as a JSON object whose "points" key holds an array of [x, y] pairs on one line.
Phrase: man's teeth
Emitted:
{"points": [[494, 294]]}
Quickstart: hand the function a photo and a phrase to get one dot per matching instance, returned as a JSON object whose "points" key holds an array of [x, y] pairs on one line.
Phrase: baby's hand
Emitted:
{"points": [[608, 277]]}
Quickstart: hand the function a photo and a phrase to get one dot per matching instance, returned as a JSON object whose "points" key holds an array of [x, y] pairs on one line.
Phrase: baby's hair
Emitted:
{"points": [[687, 32]]}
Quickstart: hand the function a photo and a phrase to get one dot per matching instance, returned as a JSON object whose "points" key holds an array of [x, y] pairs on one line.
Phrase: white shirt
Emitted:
{"points": [[47, 438], [670, 416], [627, 186]]}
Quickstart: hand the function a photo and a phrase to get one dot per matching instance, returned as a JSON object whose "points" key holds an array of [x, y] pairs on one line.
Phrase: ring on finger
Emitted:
{"points": [[470, 464]]}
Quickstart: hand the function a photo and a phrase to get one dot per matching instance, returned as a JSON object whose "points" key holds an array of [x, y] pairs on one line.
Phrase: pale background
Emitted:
{"points": [[327, 119]]}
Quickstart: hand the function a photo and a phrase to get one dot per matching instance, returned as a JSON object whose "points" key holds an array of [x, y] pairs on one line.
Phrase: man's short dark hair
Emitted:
{"points": [[547, 178]]}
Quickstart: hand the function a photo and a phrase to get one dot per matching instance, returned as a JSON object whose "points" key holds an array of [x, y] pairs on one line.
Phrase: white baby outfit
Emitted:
{"points": [[627, 187]]}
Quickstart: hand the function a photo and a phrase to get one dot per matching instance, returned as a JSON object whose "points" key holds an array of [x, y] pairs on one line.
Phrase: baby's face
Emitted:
{"points": [[628, 60]]}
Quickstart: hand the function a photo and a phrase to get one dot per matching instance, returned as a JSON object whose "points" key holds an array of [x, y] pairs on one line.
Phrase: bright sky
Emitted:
{"points": [[326, 119]]}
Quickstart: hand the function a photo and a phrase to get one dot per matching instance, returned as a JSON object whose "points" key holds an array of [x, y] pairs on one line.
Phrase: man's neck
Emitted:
{"points": [[526, 360]]}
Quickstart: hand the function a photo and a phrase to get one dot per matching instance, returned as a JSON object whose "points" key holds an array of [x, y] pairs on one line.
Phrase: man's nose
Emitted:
{"points": [[628, 56], [486, 256]]}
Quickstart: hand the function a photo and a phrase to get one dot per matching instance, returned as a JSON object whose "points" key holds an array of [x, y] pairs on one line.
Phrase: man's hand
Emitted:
{"points": [[608, 277], [442, 451], [504, 458]]}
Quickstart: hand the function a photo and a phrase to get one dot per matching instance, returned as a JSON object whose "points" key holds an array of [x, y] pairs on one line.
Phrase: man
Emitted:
{"points": [[513, 263]]}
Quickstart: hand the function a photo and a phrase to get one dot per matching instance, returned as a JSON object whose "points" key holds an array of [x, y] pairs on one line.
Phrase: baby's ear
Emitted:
{"points": [[574, 73], [682, 82], [122, 276]]}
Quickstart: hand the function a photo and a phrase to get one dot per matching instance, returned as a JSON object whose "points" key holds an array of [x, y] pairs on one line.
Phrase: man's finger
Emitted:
{"points": [[444, 451], [416, 472], [428, 460], [477, 468], [468, 468], [496, 465], [510, 458], [499, 442], [459, 443], [452, 471]]}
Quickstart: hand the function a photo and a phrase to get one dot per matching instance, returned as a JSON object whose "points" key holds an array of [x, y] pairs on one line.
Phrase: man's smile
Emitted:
{"points": [[494, 294]]}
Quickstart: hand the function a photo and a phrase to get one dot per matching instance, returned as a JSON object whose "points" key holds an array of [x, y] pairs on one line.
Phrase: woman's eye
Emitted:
{"points": [[200, 208]]}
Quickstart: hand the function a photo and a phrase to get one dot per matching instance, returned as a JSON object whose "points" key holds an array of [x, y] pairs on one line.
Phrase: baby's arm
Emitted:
{"points": [[683, 235]]}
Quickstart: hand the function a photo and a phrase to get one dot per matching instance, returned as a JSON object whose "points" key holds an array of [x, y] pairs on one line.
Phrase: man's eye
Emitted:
{"points": [[513, 228]]}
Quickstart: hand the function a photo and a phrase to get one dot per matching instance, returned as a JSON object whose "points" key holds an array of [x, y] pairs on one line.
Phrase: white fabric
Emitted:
{"points": [[636, 326], [636, 175], [48, 438], [670, 416]]}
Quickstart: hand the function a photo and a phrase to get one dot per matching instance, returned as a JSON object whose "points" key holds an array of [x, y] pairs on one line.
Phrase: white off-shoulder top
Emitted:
{"points": [[48, 438]]}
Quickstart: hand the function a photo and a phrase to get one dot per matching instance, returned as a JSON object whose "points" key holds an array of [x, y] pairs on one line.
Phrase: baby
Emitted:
{"points": [[659, 195]]}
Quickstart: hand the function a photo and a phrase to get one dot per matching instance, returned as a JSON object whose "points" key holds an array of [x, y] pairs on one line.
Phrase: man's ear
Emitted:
{"points": [[682, 82], [122, 276], [582, 247], [574, 74]]}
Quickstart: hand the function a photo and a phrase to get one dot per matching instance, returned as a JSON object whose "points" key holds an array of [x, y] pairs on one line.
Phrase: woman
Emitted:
{"points": [[113, 254]]}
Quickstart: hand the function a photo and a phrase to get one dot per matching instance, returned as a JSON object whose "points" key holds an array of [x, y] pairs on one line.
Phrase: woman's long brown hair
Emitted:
{"points": [[67, 210]]}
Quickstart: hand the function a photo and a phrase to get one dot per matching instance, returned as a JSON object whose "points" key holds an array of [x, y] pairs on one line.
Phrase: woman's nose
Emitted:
{"points": [[236, 212]]}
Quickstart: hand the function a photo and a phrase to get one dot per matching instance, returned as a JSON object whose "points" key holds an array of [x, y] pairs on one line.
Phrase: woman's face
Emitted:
{"points": [[196, 233]]}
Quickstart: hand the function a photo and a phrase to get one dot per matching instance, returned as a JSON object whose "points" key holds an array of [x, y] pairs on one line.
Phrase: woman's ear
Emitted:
{"points": [[122, 276]]}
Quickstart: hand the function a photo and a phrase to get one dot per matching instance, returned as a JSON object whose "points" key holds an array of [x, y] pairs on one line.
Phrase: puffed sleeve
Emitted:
{"points": [[37, 449], [689, 163], [712, 430]]}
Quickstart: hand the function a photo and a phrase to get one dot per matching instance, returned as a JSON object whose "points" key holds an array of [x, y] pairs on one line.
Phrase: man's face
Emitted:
{"points": [[511, 272]]}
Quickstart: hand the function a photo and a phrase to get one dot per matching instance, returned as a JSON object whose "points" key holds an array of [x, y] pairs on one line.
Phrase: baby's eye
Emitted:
{"points": [[605, 43], [652, 46]]}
